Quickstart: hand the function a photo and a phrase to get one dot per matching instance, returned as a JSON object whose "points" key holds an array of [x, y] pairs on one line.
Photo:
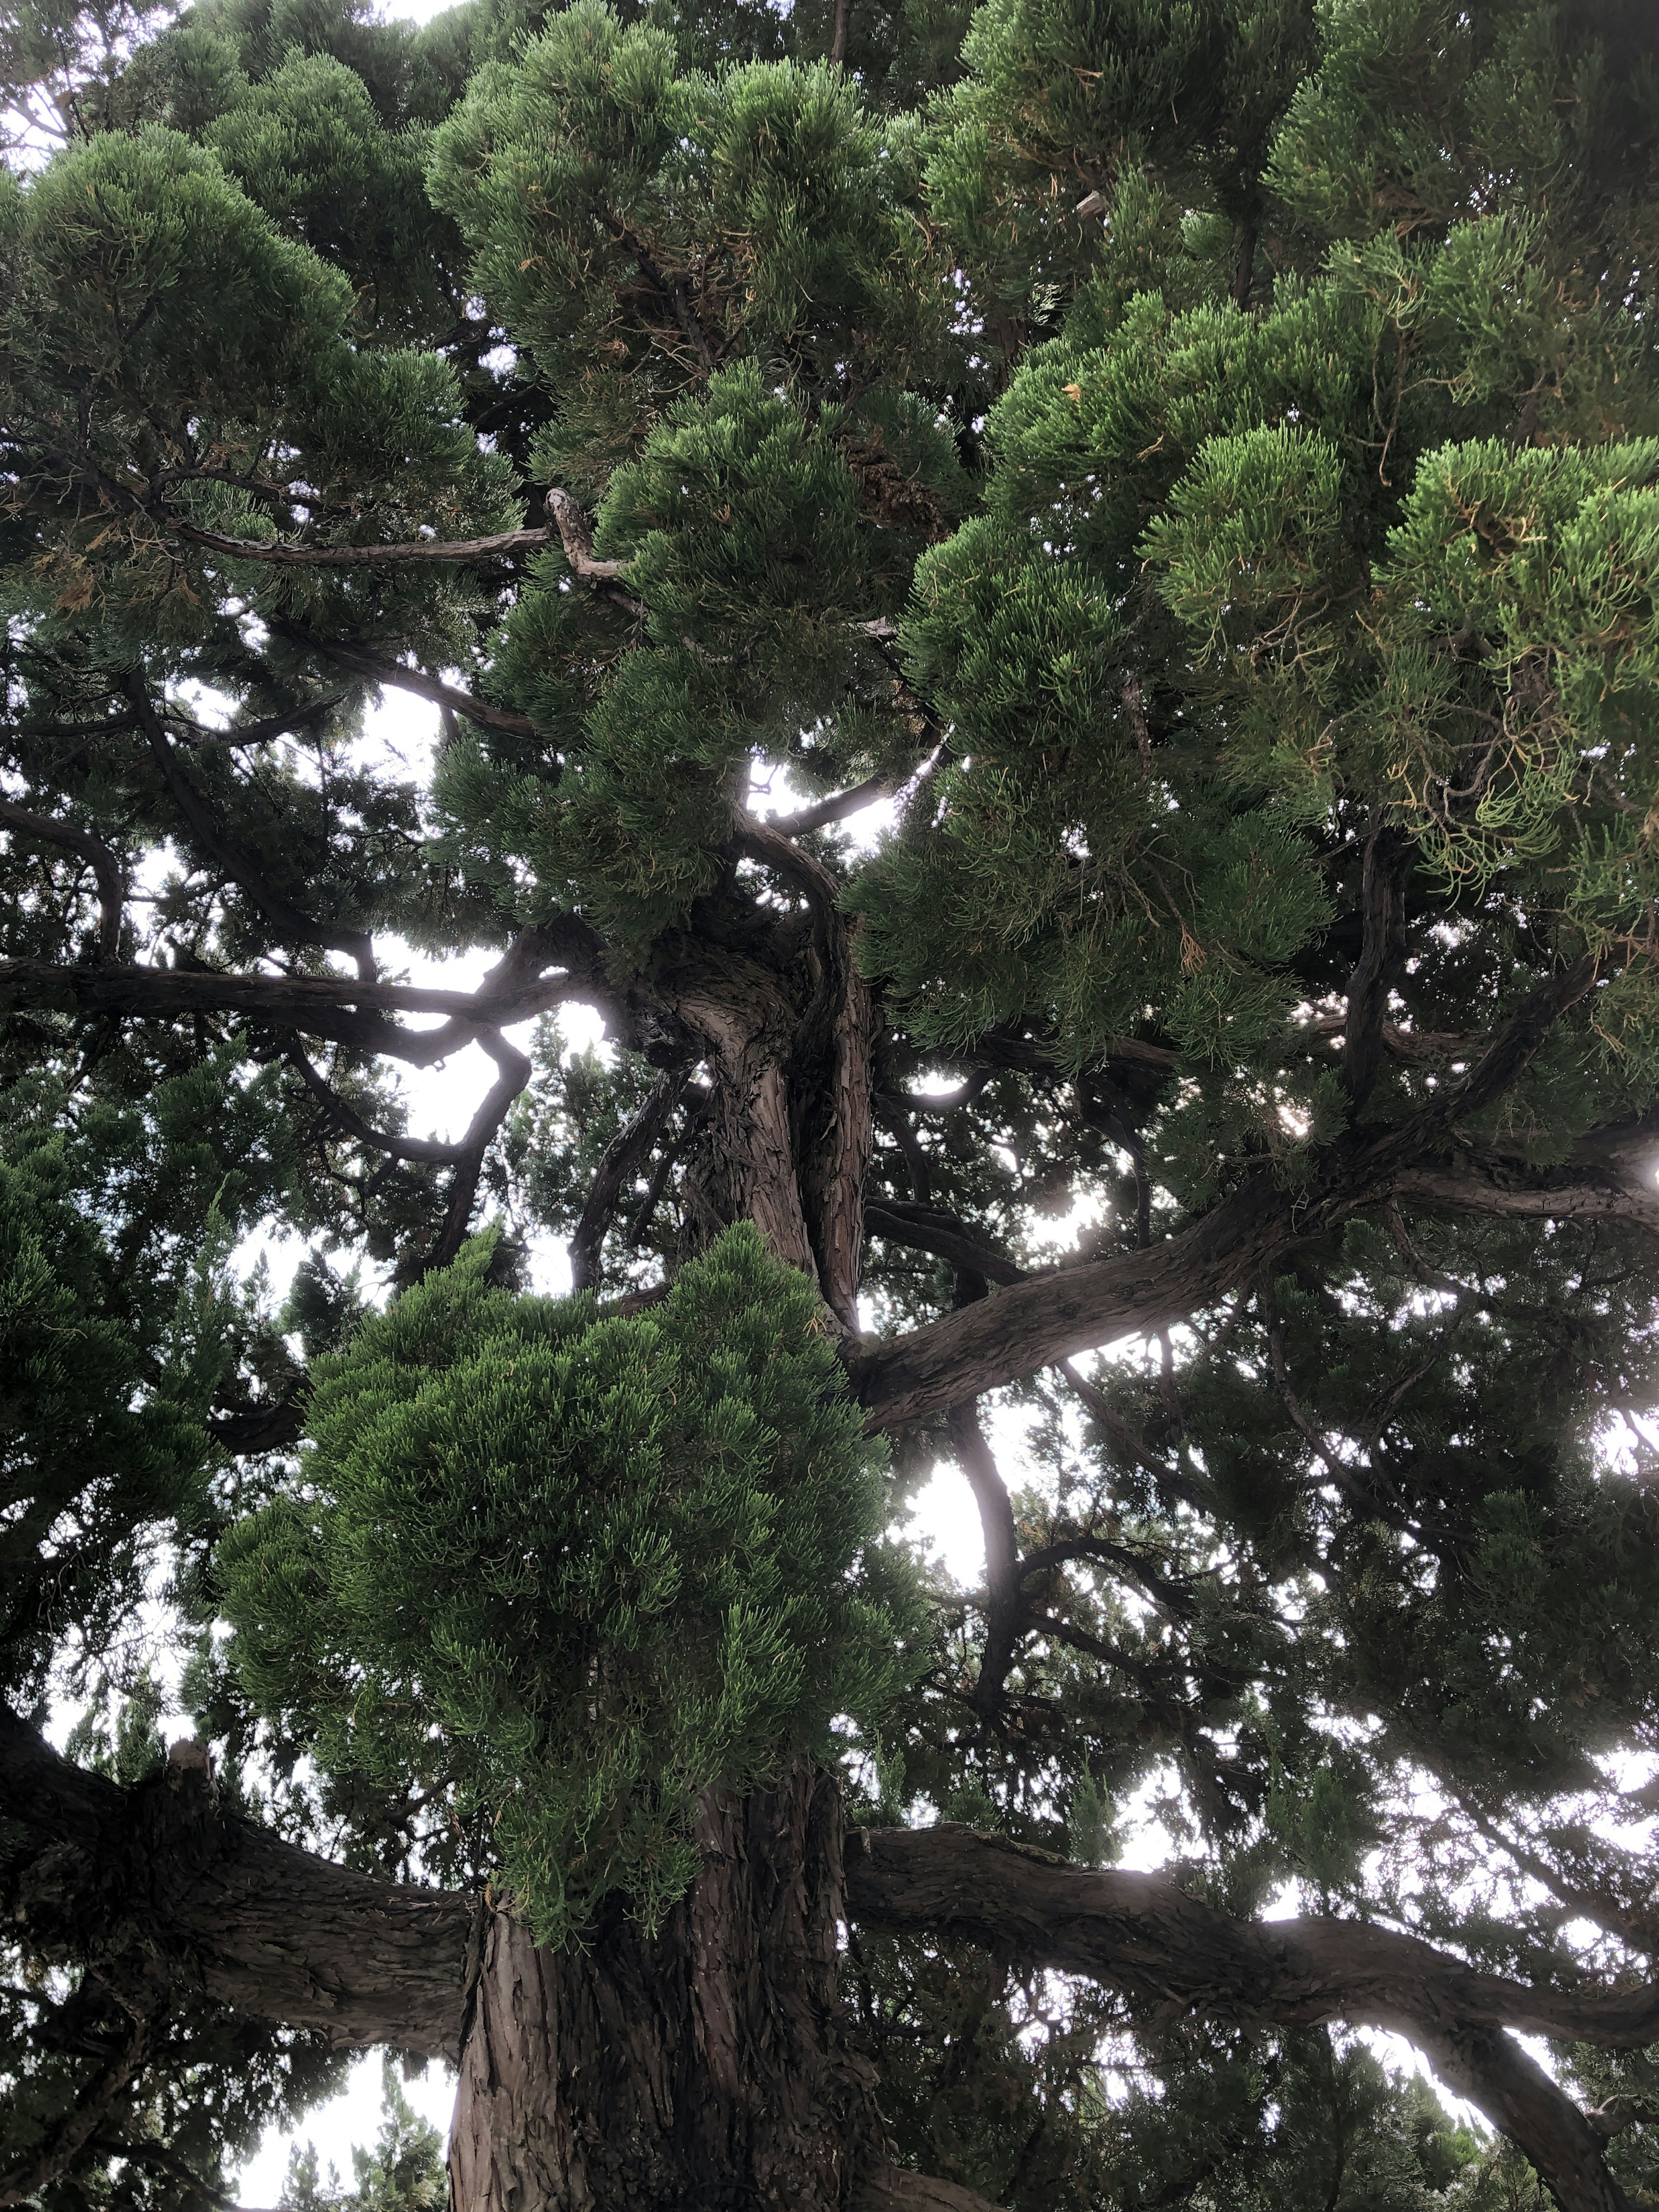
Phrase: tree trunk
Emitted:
{"points": [[705, 2067]]}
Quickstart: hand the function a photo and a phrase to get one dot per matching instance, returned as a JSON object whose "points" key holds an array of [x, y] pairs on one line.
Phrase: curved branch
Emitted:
{"points": [[632, 1143], [929, 1229], [1171, 1954], [429, 1151], [110, 875], [1050, 1317], [576, 535], [1002, 1576], [381, 668], [512, 1072]]}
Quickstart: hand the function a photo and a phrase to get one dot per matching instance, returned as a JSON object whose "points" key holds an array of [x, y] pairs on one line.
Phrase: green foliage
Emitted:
{"points": [[404, 2172], [99, 1445], [1189, 454], [574, 1570]]}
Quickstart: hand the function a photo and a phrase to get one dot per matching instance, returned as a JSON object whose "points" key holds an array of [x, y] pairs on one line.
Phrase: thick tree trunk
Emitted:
{"points": [[706, 2066]]}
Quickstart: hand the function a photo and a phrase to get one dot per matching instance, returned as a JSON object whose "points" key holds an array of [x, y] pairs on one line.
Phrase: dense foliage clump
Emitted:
{"points": [[572, 1569]]}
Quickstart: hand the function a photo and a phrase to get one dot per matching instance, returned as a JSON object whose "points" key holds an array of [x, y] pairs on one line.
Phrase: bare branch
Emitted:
{"points": [[930, 1230], [576, 535], [335, 1007], [974, 1457], [835, 808], [513, 1072], [276, 554], [762, 841], [1472, 1179], [437, 1151], [381, 668]]}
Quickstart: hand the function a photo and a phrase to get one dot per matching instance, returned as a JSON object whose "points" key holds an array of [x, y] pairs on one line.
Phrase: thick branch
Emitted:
{"points": [[1472, 1179], [1167, 1952], [835, 808], [929, 1229], [161, 1881], [1002, 1580], [576, 535], [1050, 1317], [335, 1007]]}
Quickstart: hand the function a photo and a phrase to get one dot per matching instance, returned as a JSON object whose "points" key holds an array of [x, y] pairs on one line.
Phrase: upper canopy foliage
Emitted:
{"points": [[1200, 464]]}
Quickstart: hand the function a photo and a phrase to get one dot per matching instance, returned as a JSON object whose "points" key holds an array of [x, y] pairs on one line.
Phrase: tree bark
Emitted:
{"points": [[706, 2066]]}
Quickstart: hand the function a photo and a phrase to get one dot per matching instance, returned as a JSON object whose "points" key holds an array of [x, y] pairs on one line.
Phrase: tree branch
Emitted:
{"points": [[381, 668], [161, 1879], [1002, 1583], [278, 554], [928, 1229], [512, 1072], [344, 1012], [1171, 1953], [835, 808], [1052, 1317], [203, 824], [435, 1152], [632, 1143], [107, 869], [576, 535]]}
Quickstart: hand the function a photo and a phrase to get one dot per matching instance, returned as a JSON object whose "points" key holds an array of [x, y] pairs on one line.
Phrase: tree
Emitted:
{"points": [[1198, 465]]}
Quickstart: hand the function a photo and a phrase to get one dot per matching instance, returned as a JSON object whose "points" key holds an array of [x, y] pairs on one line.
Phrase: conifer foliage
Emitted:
{"points": [[1193, 465]]}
